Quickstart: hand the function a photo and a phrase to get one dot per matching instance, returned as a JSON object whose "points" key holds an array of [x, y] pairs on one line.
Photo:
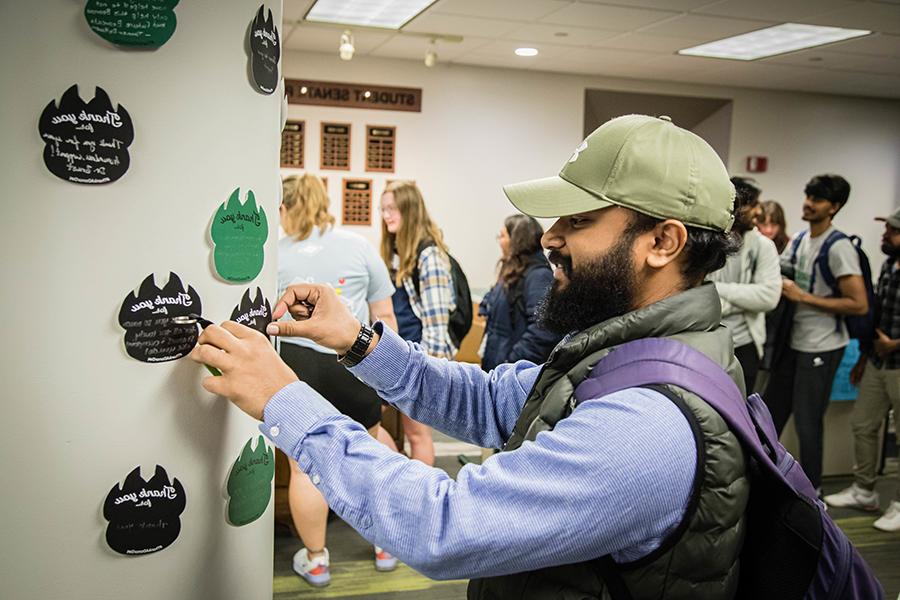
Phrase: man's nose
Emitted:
{"points": [[552, 238]]}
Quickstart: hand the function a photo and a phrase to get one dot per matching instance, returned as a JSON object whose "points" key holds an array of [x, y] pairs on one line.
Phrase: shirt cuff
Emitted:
{"points": [[383, 368], [292, 413]]}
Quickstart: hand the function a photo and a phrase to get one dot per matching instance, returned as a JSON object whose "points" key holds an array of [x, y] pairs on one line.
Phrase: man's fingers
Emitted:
{"points": [[239, 331], [219, 337], [289, 328], [212, 356], [214, 385], [296, 294], [300, 311]]}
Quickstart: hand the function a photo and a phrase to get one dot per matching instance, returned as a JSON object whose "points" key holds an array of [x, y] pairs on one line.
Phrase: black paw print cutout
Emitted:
{"points": [[265, 51], [144, 515], [86, 142]]}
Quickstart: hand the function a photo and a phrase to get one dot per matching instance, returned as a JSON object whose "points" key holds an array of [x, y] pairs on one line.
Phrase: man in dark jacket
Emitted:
{"points": [[644, 209]]}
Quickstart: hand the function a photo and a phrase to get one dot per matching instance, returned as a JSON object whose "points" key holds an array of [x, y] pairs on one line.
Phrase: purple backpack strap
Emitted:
{"points": [[658, 361]]}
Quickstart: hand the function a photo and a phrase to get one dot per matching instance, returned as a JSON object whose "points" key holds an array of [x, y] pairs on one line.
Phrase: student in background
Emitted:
{"points": [[414, 251], [313, 251], [801, 379], [878, 375], [749, 284], [512, 332], [772, 224]]}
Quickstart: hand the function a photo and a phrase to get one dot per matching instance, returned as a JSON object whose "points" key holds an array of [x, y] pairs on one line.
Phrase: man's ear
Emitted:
{"points": [[669, 239]]}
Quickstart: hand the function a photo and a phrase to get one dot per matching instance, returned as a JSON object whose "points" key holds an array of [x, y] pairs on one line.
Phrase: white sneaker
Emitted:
{"points": [[854, 497], [890, 520], [384, 560], [316, 571]]}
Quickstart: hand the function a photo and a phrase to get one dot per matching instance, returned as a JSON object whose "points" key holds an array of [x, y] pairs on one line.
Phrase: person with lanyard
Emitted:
{"points": [[590, 485], [877, 373]]}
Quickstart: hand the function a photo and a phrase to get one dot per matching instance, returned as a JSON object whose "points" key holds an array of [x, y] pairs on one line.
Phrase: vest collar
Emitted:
{"points": [[696, 309]]}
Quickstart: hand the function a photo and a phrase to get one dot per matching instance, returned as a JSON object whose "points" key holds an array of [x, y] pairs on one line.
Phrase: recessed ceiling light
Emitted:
{"points": [[390, 14], [526, 51], [770, 41]]}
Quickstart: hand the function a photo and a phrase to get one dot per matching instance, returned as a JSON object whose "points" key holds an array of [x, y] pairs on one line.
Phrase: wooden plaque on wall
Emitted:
{"points": [[335, 146], [292, 144], [356, 202], [381, 146]]}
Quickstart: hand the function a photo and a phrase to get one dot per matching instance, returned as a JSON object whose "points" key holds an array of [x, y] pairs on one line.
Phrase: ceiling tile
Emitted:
{"points": [[431, 22], [863, 15], [603, 56], [327, 39], [704, 29], [602, 16], [823, 59], [676, 5], [774, 10], [645, 42], [415, 47], [505, 48], [879, 44], [575, 36], [521, 10]]}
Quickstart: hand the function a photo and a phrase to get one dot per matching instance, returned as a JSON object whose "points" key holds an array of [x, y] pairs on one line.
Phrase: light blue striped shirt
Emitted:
{"points": [[612, 478]]}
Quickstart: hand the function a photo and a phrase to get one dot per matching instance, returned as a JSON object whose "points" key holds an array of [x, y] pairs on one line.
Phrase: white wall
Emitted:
{"points": [[482, 127], [78, 413]]}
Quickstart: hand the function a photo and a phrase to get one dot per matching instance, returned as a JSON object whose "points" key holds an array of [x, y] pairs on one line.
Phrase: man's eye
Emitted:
{"points": [[577, 221]]}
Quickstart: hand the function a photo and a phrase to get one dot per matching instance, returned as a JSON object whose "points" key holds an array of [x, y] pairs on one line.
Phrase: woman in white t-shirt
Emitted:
{"points": [[314, 251]]}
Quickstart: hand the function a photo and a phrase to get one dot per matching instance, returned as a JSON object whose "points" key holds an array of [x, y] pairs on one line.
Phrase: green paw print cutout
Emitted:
{"points": [[145, 23], [239, 232], [250, 483]]}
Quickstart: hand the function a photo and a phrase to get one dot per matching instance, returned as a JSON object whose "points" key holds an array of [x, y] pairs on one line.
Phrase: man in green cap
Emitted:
{"points": [[590, 491]]}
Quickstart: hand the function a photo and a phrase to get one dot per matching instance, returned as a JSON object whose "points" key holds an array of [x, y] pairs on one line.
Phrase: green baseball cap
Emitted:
{"points": [[644, 163]]}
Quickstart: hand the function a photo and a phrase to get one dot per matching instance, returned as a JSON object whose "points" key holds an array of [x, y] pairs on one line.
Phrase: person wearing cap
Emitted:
{"points": [[749, 284], [586, 491], [801, 380], [877, 374]]}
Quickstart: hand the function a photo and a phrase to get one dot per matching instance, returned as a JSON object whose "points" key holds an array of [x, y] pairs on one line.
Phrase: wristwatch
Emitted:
{"points": [[357, 351]]}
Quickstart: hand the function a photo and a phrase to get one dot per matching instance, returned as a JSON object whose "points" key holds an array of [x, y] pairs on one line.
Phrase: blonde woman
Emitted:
{"points": [[413, 249], [314, 251]]}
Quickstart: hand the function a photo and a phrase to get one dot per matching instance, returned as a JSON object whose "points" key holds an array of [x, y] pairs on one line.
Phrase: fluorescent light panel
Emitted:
{"points": [[787, 37], [389, 14]]}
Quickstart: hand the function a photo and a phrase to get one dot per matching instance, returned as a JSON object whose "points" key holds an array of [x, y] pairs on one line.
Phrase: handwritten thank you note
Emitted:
{"points": [[146, 23], [239, 232], [144, 515], [151, 334], [250, 483], [86, 142], [265, 52]]}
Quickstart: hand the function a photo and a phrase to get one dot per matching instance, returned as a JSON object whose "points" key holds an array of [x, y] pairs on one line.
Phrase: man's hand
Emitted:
{"points": [[252, 372], [791, 291], [884, 345], [319, 315]]}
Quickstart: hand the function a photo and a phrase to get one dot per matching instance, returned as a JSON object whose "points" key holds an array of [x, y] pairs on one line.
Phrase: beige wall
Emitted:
{"points": [[482, 127], [78, 413]]}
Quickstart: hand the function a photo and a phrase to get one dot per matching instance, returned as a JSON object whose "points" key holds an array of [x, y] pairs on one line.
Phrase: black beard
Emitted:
{"points": [[600, 290], [891, 251]]}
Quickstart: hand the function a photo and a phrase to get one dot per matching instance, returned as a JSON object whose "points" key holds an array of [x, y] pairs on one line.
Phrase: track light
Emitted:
{"points": [[431, 56], [346, 49]]}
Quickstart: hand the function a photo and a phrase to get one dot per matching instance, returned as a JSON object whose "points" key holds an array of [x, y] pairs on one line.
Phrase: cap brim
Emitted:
{"points": [[552, 197], [893, 222]]}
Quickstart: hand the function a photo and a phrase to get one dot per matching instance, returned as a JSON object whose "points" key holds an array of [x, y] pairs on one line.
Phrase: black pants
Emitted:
{"points": [[801, 383], [749, 359]]}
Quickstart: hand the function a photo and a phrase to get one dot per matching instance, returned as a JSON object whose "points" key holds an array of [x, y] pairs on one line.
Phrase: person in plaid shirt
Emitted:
{"points": [[414, 251], [879, 387]]}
